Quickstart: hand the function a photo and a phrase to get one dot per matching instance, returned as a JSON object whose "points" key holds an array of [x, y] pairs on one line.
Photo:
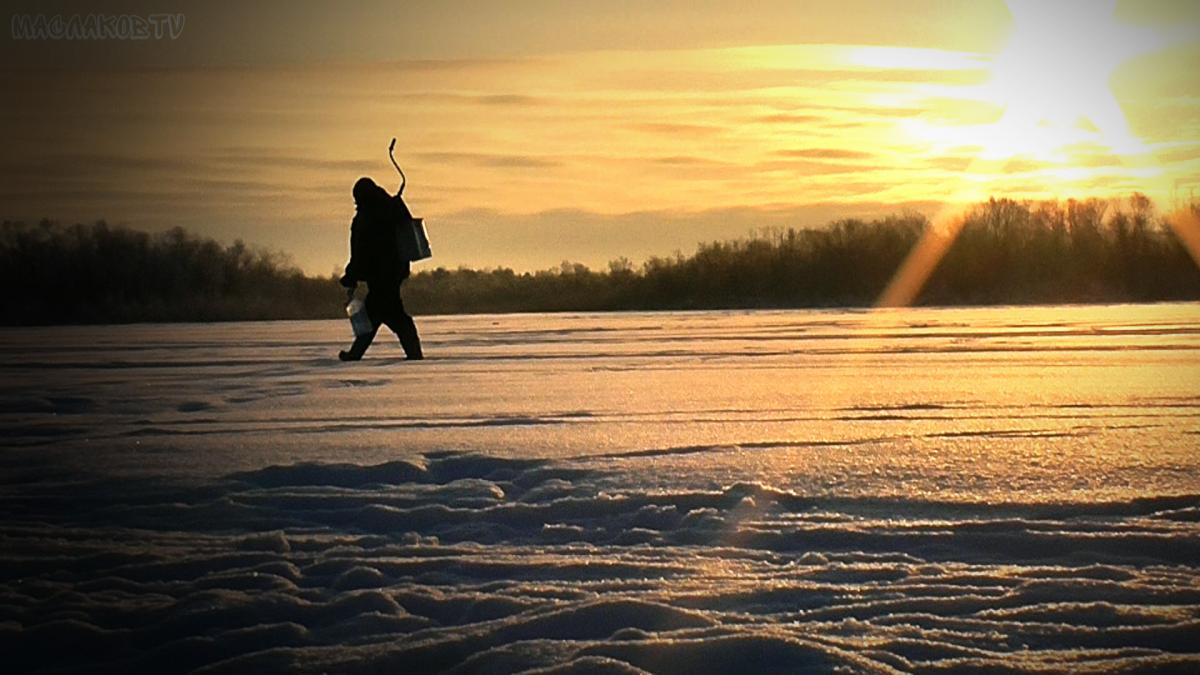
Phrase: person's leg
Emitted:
{"points": [[405, 329], [361, 342], [403, 326]]}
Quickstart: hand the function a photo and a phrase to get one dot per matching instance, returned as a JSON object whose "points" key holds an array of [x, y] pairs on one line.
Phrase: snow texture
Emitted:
{"points": [[1012, 490]]}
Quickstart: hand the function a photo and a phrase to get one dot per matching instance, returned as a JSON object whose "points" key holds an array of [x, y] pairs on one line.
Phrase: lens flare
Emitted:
{"points": [[910, 278], [1186, 224]]}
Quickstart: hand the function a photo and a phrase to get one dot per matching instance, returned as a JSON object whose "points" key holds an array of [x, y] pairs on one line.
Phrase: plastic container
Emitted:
{"points": [[359, 321]]}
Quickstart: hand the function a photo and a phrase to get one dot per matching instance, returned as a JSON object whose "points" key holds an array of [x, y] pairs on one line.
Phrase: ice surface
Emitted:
{"points": [[903, 490]]}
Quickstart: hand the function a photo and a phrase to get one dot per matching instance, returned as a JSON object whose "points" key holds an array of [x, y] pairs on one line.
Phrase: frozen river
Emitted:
{"points": [[920, 489]]}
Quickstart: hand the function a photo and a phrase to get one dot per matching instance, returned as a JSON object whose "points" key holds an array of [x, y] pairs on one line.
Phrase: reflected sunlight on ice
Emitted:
{"points": [[822, 401]]}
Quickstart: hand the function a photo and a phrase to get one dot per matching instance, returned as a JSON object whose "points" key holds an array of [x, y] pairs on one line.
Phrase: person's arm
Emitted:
{"points": [[353, 272]]}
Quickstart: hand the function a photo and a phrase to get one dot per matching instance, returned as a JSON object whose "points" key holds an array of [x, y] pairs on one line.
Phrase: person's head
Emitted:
{"points": [[367, 193]]}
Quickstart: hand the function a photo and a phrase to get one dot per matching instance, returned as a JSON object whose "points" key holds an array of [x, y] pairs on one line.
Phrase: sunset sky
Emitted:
{"points": [[536, 132]]}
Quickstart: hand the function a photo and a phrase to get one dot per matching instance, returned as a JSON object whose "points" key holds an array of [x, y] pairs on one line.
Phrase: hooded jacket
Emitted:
{"points": [[374, 255]]}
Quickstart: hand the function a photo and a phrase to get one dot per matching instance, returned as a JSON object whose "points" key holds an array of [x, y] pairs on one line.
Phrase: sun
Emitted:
{"points": [[1056, 111], [1051, 84], [1052, 80]]}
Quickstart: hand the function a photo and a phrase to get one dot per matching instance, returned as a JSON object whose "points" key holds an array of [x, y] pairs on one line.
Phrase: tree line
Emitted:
{"points": [[1006, 252], [103, 274]]}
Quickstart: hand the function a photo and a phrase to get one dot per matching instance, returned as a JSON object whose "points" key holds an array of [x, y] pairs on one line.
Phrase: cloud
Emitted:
{"points": [[1185, 153], [500, 100], [490, 160], [675, 78], [803, 167], [789, 118], [678, 129], [950, 162], [825, 153], [687, 160], [272, 158], [1019, 165], [506, 100]]}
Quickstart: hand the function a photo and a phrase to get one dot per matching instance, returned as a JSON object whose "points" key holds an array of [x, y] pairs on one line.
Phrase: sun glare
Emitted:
{"points": [[1052, 80], [1058, 113]]}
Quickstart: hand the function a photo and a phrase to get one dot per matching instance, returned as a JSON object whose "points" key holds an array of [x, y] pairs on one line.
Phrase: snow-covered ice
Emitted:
{"points": [[1012, 489]]}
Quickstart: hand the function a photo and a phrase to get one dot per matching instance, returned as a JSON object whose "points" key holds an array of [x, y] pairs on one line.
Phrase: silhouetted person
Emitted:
{"points": [[375, 259]]}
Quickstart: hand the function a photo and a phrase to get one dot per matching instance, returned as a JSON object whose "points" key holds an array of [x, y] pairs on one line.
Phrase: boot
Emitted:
{"points": [[357, 349], [412, 348]]}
